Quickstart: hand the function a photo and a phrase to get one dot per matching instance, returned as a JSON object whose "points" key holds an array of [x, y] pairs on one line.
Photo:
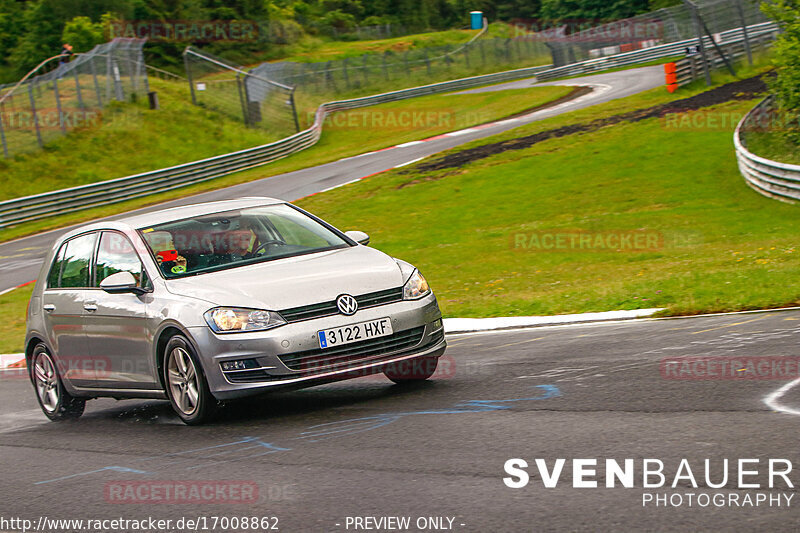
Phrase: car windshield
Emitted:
{"points": [[230, 239]]}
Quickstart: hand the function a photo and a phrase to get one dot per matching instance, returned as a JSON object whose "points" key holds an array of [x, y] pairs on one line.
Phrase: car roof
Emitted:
{"points": [[161, 216]]}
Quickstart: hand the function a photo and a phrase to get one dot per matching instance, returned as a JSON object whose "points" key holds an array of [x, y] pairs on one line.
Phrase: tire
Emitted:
{"points": [[56, 403], [186, 383], [412, 371]]}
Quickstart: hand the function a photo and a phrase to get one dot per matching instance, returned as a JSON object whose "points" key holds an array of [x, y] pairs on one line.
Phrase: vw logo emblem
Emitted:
{"points": [[347, 304]]}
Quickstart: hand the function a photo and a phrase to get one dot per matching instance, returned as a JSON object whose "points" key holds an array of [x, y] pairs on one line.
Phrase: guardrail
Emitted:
{"points": [[770, 178], [756, 31], [40, 206], [691, 68]]}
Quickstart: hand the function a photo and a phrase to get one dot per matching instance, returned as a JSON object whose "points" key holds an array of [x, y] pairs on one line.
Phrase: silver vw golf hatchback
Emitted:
{"points": [[221, 300]]}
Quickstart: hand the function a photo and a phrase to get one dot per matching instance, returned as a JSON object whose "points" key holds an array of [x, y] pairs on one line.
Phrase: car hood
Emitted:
{"points": [[295, 281]]}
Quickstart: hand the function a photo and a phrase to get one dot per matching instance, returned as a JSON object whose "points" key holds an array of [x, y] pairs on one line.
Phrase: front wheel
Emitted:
{"points": [[186, 384], [413, 370], [54, 399]]}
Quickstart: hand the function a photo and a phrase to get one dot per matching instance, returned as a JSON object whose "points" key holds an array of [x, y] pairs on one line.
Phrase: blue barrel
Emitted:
{"points": [[476, 17]]}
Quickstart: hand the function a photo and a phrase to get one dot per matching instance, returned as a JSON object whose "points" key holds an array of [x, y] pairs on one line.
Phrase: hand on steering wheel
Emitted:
{"points": [[263, 246]]}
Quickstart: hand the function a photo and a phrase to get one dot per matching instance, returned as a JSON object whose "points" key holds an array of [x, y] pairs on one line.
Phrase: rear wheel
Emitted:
{"points": [[412, 371], [54, 400], [186, 384]]}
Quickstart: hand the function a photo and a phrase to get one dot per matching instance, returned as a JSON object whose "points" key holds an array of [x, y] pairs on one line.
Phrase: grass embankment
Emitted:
{"points": [[128, 139], [13, 305], [773, 145], [170, 137], [314, 48], [719, 246]]}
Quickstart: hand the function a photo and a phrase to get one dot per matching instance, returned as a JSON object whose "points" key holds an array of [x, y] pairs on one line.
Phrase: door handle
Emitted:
{"points": [[49, 307], [90, 306]]}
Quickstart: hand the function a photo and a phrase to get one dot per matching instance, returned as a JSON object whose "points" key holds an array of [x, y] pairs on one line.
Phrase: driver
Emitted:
{"points": [[248, 243]]}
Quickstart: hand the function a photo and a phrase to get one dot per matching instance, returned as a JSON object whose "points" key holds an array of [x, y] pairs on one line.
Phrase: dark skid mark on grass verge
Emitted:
{"points": [[738, 90]]}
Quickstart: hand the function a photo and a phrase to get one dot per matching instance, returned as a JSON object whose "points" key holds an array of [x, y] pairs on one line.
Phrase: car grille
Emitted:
{"points": [[373, 299], [358, 351]]}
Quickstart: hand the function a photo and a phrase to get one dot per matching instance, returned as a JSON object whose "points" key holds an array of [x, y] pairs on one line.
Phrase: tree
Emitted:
{"points": [[83, 34], [592, 10], [786, 54]]}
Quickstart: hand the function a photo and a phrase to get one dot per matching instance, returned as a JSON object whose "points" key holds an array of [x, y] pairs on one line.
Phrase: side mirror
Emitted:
{"points": [[359, 236], [121, 282]]}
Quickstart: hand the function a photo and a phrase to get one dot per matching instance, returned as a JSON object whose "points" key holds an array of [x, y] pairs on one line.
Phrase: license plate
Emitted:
{"points": [[328, 338]]}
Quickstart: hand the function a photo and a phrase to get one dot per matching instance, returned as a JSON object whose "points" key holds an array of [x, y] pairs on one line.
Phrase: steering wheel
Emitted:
{"points": [[263, 246]]}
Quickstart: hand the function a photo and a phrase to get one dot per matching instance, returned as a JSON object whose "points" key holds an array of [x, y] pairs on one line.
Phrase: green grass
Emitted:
{"points": [[13, 306], [128, 139], [722, 246], [81, 165], [314, 49]]}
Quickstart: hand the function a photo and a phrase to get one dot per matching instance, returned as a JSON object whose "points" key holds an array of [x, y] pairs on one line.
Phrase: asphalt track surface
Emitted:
{"points": [[367, 447], [20, 259]]}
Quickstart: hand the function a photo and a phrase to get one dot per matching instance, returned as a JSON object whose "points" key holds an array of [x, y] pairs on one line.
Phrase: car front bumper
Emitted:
{"points": [[417, 325]]}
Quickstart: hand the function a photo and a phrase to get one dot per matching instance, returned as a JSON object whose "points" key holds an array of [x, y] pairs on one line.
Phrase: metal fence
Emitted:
{"points": [[226, 88], [48, 104], [661, 27], [652, 54], [409, 67], [694, 66], [770, 178]]}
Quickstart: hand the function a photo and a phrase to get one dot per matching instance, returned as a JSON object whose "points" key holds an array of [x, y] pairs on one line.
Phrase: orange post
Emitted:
{"points": [[670, 69]]}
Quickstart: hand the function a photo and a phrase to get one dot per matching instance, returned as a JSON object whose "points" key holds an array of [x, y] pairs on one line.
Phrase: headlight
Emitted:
{"points": [[416, 287], [231, 319]]}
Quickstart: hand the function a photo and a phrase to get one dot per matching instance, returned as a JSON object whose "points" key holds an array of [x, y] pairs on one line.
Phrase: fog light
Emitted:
{"points": [[240, 364], [437, 324]]}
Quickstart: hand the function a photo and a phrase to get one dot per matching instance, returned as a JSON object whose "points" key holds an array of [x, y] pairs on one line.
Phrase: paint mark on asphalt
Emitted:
{"points": [[255, 447], [773, 399]]}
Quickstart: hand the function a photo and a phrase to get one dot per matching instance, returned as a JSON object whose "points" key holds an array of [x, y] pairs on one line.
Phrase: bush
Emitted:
{"points": [[786, 51]]}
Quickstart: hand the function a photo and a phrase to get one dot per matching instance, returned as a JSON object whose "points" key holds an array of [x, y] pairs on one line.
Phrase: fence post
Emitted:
{"points": [[119, 94], [344, 70], [743, 19], [131, 65], [699, 31], [242, 98], [329, 76], [58, 106], [364, 60], [96, 84], [3, 137], [141, 70], [35, 117], [483, 53], [78, 88], [188, 67], [108, 77], [466, 55], [294, 111]]}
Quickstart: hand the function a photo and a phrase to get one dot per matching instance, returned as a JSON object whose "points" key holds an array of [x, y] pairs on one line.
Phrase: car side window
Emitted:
{"points": [[55, 268], [116, 254], [77, 260]]}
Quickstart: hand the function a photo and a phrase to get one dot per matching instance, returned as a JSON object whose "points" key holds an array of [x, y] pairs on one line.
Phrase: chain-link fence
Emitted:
{"points": [[570, 43], [390, 70], [226, 88], [45, 105]]}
